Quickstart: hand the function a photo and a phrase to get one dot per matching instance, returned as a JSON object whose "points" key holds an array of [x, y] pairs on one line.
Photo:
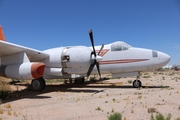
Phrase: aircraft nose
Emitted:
{"points": [[164, 58]]}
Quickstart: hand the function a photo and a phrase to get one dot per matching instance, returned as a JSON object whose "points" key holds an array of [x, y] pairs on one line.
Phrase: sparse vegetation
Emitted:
{"points": [[179, 107], [7, 106], [129, 81], [115, 116], [132, 99], [132, 111], [98, 108], [160, 116], [146, 73], [112, 110], [161, 73], [9, 113], [137, 93], [1, 111], [152, 110], [147, 76]]}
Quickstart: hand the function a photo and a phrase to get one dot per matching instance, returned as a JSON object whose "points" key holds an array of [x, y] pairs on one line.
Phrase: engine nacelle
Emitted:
{"points": [[76, 58], [72, 60], [25, 70]]}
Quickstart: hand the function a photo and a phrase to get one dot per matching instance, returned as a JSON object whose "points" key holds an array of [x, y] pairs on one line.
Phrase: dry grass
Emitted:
{"points": [[9, 113], [1, 111], [7, 106], [4, 86]]}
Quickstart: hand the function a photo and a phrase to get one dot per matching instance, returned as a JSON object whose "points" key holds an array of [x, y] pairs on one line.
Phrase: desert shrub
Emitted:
{"points": [[98, 108], [146, 76], [152, 110], [160, 116], [129, 81], [115, 116]]}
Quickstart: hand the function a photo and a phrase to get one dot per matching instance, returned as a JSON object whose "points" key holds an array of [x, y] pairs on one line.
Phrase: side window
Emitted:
{"points": [[154, 53], [125, 47]]}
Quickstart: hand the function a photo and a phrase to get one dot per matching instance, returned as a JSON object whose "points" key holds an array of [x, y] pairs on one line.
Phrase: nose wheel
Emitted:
{"points": [[137, 84]]}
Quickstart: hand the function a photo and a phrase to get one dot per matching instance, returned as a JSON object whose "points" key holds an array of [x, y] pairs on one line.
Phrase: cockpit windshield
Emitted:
{"points": [[120, 46]]}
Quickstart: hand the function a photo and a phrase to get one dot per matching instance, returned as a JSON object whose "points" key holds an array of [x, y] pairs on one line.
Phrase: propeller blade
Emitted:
{"points": [[92, 41], [97, 65], [94, 52], [91, 68], [101, 49]]}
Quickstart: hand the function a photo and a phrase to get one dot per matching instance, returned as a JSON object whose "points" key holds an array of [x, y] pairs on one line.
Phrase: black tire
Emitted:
{"points": [[79, 80], [38, 84], [137, 84]]}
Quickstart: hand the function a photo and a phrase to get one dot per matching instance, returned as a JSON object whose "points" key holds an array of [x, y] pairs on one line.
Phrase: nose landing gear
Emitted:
{"points": [[137, 83]]}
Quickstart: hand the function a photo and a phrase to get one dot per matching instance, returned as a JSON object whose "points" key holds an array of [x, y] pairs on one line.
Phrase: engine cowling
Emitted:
{"points": [[25, 70], [76, 59]]}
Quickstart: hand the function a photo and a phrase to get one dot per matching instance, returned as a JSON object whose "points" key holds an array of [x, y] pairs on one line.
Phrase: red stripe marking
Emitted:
{"points": [[103, 52], [121, 61]]}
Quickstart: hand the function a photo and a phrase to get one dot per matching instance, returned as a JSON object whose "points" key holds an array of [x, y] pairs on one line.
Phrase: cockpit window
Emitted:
{"points": [[120, 46]]}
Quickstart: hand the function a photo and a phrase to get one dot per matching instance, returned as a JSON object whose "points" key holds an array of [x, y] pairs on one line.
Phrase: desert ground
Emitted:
{"points": [[96, 101]]}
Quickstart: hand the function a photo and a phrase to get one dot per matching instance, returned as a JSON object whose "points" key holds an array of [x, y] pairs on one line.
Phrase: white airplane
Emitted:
{"points": [[76, 62]]}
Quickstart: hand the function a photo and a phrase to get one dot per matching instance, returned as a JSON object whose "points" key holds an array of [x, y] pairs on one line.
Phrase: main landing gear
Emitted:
{"points": [[79, 80], [38, 84]]}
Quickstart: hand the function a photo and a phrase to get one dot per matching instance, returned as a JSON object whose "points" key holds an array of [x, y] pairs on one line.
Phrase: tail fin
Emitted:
{"points": [[2, 37]]}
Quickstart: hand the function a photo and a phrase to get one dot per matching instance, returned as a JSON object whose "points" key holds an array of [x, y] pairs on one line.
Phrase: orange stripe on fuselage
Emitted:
{"points": [[121, 61], [2, 37]]}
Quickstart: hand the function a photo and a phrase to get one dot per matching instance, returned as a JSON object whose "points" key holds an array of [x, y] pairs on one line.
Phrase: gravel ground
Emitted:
{"points": [[160, 93]]}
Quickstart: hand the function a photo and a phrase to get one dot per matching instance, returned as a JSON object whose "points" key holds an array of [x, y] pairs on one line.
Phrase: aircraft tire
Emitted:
{"points": [[79, 80], [137, 83], [38, 84]]}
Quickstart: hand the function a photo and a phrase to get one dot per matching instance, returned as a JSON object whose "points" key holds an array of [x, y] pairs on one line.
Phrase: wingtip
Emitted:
{"points": [[2, 37]]}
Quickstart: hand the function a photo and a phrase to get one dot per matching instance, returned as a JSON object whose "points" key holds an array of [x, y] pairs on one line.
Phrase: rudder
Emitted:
{"points": [[2, 37]]}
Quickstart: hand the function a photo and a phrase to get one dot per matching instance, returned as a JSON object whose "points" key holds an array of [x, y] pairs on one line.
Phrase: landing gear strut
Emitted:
{"points": [[38, 84]]}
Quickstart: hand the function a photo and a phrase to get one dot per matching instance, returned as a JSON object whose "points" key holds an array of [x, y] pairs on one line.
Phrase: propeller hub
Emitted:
{"points": [[97, 58]]}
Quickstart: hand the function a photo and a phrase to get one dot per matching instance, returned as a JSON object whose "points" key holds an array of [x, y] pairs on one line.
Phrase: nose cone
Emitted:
{"points": [[164, 58]]}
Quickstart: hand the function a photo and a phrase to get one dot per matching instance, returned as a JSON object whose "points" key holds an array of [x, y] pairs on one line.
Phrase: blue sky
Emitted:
{"points": [[43, 24]]}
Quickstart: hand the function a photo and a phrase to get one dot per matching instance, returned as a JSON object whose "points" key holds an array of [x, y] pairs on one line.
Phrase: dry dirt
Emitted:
{"points": [[160, 93]]}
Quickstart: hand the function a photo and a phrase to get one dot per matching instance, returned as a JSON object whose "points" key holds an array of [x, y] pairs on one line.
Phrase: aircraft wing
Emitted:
{"points": [[7, 48]]}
